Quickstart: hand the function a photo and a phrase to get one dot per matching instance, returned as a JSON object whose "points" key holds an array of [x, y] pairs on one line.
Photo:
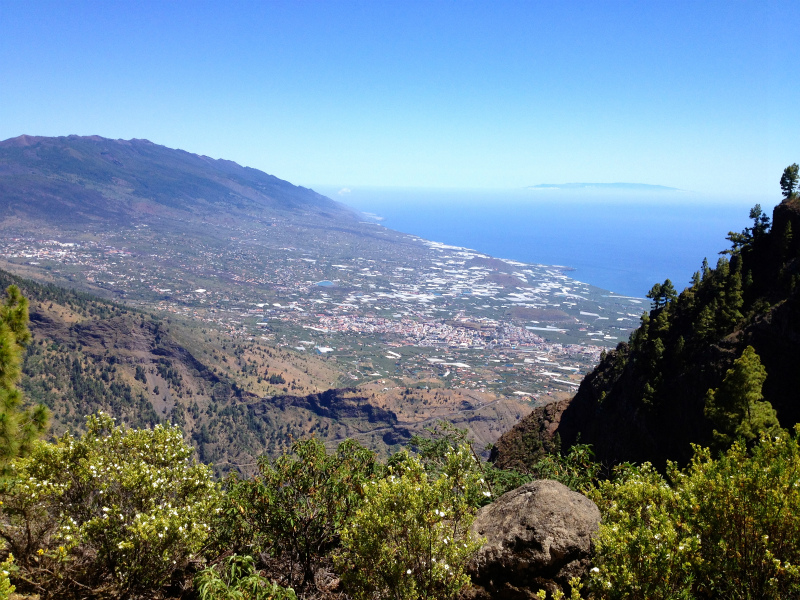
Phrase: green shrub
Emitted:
{"points": [[296, 506], [723, 528], [500, 481], [116, 511], [746, 511], [442, 442], [642, 550], [236, 578], [410, 539], [576, 468], [6, 568]]}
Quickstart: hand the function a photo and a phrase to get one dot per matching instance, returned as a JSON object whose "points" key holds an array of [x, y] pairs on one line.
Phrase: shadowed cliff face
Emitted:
{"points": [[645, 400], [86, 179]]}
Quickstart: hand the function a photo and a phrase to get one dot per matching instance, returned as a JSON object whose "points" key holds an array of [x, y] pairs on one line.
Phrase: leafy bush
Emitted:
{"points": [[443, 441], [236, 578], [724, 528], [438, 441], [576, 469], [643, 549], [410, 539], [500, 481], [746, 510], [446, 450], [296, 506], [116, 511], [6, 568]]}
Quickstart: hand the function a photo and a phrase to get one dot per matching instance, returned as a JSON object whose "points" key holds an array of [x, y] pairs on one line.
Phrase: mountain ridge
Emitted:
{"points": [[82, 178]]}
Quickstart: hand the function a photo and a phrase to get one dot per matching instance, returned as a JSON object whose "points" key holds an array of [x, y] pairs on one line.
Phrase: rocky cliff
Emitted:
{"points": [[645, 400]]}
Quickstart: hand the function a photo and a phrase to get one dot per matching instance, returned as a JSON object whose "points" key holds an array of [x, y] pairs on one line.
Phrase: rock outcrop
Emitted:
{"points": [[538, 536], [529, 439]]}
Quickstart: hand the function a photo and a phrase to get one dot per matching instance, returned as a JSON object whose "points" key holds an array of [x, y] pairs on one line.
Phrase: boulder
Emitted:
{"points": [[537, 536]]}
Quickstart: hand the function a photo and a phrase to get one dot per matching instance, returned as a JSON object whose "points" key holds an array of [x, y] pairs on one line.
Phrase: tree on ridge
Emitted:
{"points": [[662, 294], [789, 181]]}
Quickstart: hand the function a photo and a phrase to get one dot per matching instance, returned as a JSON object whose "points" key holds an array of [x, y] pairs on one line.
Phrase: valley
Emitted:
{"points": [[455, 306], [422, 329]]}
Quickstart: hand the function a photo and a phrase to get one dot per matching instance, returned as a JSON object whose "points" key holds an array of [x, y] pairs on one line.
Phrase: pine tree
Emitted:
{"points": [[789, 182], [659, 326], [655, 295], [736, 408], [748, 279], [730, 312], [680, 346], [721, 272], [662, 294], [668, 292], [639, 336], [706, 270], [18, 427], [760, 223], [704, 326]]}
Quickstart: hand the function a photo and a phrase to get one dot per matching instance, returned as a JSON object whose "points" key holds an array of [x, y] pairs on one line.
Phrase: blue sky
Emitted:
{"points": [[696, 95]]}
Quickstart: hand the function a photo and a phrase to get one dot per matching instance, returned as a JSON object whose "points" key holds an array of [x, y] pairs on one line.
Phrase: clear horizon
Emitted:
{"points": [[501, 95]]}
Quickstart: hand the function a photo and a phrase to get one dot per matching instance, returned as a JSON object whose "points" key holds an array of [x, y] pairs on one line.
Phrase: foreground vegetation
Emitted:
{"points": [[726, 527], [128, 513], [121, 512]]}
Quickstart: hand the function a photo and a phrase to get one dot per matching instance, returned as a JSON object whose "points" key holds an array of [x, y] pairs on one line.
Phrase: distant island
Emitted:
{"points": [[636, 187]]}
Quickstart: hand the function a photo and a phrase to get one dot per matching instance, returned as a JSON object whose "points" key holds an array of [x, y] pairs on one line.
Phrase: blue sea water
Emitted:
{"points": [[620, 241]]}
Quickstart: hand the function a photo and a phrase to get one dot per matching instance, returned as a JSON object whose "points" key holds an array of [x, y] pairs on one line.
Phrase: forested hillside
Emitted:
{"points": [[685, 376], [234, 398]]}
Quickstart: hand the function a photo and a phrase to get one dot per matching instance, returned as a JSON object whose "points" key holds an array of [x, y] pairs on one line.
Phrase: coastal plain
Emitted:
{"points": [[424, 330]]}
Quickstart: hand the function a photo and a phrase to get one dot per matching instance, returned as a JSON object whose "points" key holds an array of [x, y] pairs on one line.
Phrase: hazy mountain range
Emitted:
{"points": [[630, 187]]}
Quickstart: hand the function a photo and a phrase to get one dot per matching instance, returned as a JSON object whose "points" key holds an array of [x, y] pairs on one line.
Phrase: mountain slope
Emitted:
{"points": [[235, 398], [260, 280], [645, 400], [82, 179], [88, 354]]}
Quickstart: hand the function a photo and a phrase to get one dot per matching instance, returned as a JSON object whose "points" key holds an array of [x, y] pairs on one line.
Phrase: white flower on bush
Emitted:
{"points": [[132, 472]]}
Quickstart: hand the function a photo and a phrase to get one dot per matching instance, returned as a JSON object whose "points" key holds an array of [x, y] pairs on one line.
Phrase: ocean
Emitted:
{"points": [[620, 241]]}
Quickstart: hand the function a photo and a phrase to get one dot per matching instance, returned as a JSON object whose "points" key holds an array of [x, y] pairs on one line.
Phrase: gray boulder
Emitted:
{"points": [[538, 536]]}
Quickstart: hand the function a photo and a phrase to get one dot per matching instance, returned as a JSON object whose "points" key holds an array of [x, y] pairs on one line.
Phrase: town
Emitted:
{"points": [[428, 315]]}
